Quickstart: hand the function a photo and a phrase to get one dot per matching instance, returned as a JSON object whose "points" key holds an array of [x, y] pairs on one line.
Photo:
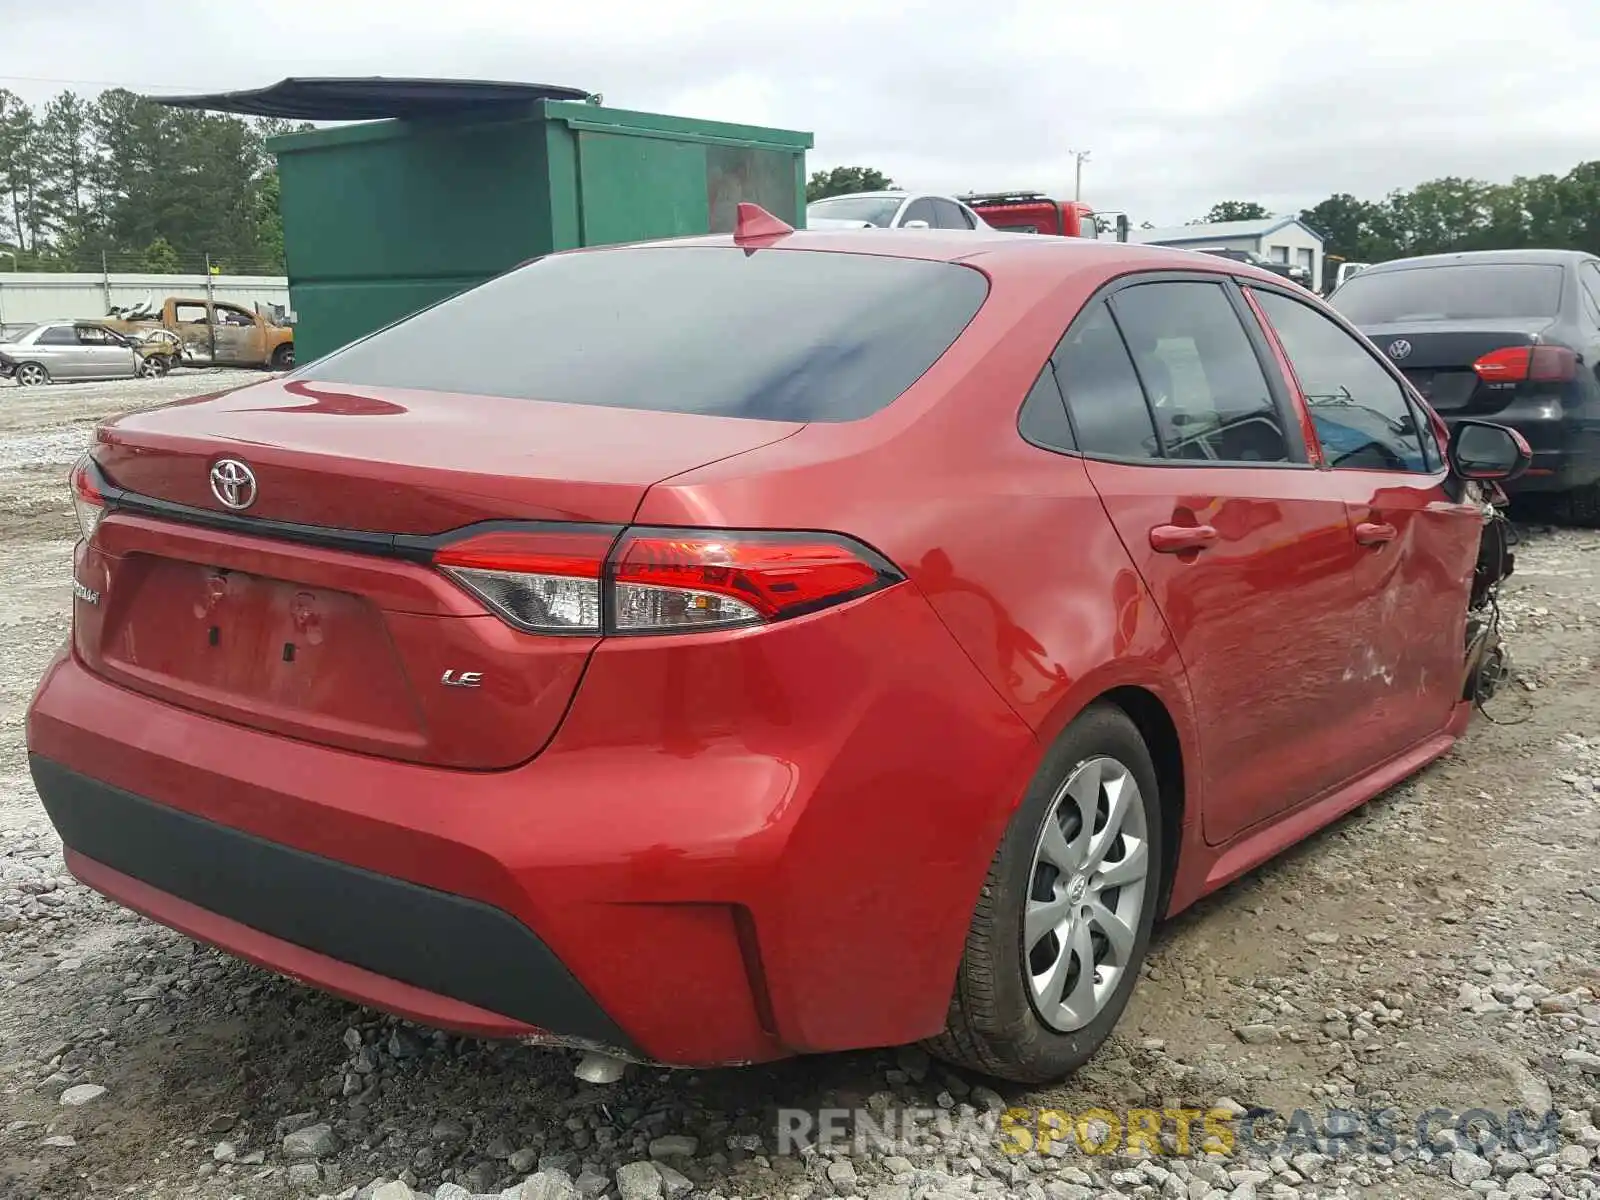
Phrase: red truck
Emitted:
{"points": [[1034, 212]]}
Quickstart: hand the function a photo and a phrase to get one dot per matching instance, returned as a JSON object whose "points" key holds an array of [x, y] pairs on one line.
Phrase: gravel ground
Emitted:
{"points": [[1434, 953]]}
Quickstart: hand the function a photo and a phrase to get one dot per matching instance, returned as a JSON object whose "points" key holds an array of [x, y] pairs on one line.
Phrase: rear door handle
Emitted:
{"points": [[1175, 539], [1374, 533]]}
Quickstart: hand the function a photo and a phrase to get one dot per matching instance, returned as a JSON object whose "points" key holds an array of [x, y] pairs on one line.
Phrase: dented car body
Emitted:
{"points": [[214, 333], [754, 646]]}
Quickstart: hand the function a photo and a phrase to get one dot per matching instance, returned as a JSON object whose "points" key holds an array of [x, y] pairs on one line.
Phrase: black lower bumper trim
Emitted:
{"points": [[446, 944]]}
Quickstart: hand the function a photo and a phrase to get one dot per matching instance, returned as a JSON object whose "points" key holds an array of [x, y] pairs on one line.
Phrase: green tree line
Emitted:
{"points": [[128, 183], [1556, 212]]}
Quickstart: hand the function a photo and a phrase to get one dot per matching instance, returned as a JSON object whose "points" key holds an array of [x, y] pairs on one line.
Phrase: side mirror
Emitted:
{"points": [[917, 224], [1485, 451]]}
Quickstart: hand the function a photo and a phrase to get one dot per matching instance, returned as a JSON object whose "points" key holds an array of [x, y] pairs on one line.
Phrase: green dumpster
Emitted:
{"points": [[467, 179]]}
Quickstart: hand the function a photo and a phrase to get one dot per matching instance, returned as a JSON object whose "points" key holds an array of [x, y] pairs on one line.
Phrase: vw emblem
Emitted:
{"points": [[233, 484], [1399, 348]]}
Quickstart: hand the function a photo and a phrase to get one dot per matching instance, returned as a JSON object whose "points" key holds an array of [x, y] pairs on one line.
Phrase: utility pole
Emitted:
{"points": [[1079, 158]]}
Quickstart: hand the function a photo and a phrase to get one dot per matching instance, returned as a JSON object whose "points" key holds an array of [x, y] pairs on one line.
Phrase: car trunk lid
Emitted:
{"points": [[307, 613], [1437, 357], [393, 461]]}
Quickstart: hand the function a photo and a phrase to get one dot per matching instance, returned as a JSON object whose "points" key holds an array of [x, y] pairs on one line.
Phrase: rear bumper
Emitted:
{"points": [[343, 928], [736, 848]]}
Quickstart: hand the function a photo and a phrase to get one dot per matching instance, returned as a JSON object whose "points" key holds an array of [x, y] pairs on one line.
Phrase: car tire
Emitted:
{"points": [[31, 374], [283, 357], [996, 1023], [153, 367], [1583, 505]]}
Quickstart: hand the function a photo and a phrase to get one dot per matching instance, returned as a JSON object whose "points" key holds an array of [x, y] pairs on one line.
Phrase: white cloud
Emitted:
{"points": [[1281, 101]]}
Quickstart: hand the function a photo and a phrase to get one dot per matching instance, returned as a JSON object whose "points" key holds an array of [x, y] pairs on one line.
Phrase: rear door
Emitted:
{"points": [[1419, 545], [1203, 468]]}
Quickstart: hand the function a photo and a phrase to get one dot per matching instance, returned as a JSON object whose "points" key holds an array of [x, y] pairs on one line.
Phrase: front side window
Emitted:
{"points": [[1108, 406], [779, 335], [1361, 415], [920, 210], [1208, 393], [189, 314]]}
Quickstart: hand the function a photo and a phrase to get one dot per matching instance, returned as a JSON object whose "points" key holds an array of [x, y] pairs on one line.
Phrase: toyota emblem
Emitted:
{"points": [[1399, 348], [233, 483]]}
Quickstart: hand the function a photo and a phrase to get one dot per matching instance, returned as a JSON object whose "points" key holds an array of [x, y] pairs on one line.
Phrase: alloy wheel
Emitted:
{"points": [[1086, 894], [32, 375]]}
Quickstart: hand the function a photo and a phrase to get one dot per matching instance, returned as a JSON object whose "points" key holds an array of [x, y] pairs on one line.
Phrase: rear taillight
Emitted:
{"points": [[666, 579], [540, 580], [87, 501], [659, 580], [1530, 364]]}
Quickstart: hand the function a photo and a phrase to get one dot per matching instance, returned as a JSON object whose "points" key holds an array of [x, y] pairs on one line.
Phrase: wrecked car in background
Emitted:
{"points": [[77, 351], [213, 332]]}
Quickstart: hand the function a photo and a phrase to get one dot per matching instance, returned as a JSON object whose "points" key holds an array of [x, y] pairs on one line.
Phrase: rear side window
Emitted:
{"points": [[1460, 292], [950, 215], [57, 335], [1207, 391], [1103, 393], [774, 335], [1361, 414], [1044, 415], [1589, 281]]}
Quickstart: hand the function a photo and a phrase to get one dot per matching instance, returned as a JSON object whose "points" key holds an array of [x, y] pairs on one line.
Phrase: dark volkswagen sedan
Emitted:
{"points": [[1511, 335]]}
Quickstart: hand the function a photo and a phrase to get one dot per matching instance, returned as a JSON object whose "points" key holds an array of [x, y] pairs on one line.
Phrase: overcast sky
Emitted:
{"points": [[1180, 105]]}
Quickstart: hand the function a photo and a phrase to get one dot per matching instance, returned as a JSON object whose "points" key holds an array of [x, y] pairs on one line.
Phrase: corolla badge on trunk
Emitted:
{"points": [[233, 483], [1399, 348]]}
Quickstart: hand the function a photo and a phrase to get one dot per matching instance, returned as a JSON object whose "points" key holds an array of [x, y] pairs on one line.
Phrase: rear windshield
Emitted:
{"points": [[1466, 292], [776, 335], [878, 210]]}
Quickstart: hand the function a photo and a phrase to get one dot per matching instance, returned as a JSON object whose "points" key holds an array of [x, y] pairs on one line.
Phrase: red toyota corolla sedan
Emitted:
{"points": [[724, 649]]}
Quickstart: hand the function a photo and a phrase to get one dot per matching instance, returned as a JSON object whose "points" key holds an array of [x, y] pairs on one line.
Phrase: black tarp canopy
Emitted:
{"points": [[372, 98]]}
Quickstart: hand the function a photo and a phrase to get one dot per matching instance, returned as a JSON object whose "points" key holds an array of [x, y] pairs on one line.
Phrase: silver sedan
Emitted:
{"points": [[74, 350]]}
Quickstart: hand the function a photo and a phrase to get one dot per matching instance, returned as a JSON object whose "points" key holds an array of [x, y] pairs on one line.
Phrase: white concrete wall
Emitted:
{"points": [[1286, 244], [45, 296]]}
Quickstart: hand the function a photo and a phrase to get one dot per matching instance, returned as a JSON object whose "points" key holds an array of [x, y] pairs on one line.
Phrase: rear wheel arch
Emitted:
{"points": [[1160, 732], [29, 373], [1165, 723], [993, 1025]]}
